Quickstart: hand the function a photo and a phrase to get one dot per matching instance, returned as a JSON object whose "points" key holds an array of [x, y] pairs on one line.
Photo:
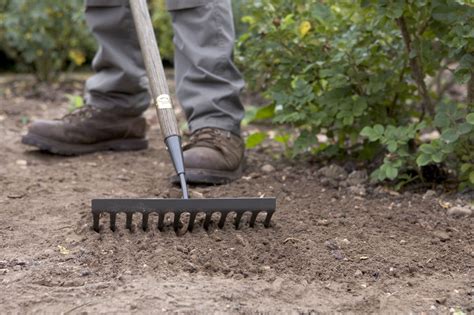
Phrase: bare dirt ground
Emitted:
{"points": [[328, 250]]}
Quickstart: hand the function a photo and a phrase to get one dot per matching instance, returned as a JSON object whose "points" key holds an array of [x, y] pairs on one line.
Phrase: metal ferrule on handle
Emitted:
{"points": [[158, 86]]}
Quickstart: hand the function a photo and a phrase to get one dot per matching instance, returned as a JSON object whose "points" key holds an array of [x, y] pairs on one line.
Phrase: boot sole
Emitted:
{"points": [[68, 149], [198, 176]]}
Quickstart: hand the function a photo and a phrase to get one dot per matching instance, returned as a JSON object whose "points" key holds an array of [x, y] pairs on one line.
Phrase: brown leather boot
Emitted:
{"points": [[87, 130], [213, 156]]}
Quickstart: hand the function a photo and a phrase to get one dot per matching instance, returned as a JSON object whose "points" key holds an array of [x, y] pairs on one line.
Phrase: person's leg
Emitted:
{"points": [[115, 96], [208, 86], [208, 83], [120, 82]]}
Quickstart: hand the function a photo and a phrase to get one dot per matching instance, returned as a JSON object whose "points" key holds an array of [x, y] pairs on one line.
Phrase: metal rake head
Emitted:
{"points": [[181, 206]]}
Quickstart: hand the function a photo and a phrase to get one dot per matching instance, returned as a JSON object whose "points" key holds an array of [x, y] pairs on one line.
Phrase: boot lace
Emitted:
{"points": [[81, 114]]}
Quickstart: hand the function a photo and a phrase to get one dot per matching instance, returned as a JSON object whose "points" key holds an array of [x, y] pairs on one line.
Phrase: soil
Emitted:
{"points": [[329, 249]]}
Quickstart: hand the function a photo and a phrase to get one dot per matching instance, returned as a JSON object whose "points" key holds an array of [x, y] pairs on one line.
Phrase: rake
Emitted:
{"points": [[169, 128]]}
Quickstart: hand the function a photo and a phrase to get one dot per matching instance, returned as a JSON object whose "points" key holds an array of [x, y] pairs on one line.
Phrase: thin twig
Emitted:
{"points": [[416, 69], [470, 89], [397, 94], [77, 307]]}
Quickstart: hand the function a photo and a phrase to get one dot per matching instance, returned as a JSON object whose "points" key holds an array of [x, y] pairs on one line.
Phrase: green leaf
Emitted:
{"points": [[463, 71], [441, 120], [447, 13], [427, 148], [322, 13], [470, 118], [464, 128], [423, 159], [471, 177], [265, 112], [255, 139], [391, 172], [379, 129], [368, 132], [450, 135], [437, 157], [466, 167], [282, 138], [392, 146]]}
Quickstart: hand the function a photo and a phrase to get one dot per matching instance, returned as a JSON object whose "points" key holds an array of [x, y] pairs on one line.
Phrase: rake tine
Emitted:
{"points": [[148, 206], [253, 218], [207, 220], [113, 216], [267, 219], [237, 219], [145, 221], [96, 221], [192, 218], [177, 216], [161, 220], [222, 220], [128, 223]]}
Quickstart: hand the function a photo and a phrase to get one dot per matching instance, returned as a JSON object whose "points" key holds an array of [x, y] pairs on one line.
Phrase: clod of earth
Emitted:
{"points": [[267, 168], [459, 212], [443, 236]]}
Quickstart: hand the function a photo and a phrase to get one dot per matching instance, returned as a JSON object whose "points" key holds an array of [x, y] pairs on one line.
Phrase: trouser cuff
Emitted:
{"points": [[224, 124], [123, 105]]}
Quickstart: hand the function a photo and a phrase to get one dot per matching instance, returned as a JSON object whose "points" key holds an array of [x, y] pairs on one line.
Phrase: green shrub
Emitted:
{"points": [[49, 36], [163, 29], [46, 36], [371, 75]]}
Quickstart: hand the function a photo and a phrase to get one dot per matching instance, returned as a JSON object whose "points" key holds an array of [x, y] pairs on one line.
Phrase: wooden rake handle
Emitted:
{"points": [[154, 67]]}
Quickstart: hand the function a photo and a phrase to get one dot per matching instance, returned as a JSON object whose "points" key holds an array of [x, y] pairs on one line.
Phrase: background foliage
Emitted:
{"points": [[371, 76], [44, 37], [49, 36]]}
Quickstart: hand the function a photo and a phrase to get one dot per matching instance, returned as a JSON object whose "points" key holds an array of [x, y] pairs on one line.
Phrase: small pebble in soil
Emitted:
{"points": [[267, 168], [21, 162], [85, 273], [358, 274], [331, 244], [459, 212], [3, 271], [182, 249], [358, 190], [357, 178], [339, 255], [322, 222], [197, 194], [241, 240], [429, 194], [19, 262], [443, 236], [403, 242], [333, 172], [277, 284], [342, 242]]}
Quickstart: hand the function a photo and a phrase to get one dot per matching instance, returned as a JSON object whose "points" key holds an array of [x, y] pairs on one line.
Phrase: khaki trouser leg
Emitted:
{"points": [[119, 83], [208, 84]]}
